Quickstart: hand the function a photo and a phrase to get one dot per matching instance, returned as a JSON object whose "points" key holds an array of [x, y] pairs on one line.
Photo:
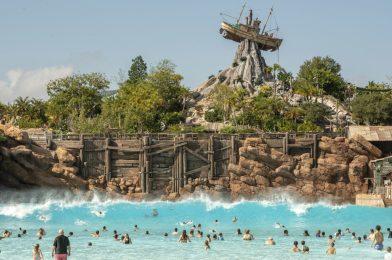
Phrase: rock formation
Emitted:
{"points": [[26, 165], [247, 71]]}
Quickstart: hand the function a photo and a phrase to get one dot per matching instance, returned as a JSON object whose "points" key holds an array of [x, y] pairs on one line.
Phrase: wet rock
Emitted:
{"points": [[65, 157]]}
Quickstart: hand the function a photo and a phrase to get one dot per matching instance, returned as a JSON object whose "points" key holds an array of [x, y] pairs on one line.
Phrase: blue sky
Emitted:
{"points": [[46, 39]]}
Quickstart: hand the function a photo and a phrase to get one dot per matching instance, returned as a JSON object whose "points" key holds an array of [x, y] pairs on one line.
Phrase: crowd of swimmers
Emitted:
{"points": [[375, 236]]}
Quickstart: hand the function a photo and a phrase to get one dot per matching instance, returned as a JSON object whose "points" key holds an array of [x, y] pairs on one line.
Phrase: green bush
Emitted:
{"points": [[228, 130], [308, 127], [215, 115]]}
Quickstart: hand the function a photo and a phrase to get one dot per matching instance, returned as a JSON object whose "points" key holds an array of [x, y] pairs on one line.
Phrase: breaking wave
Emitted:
{"points": [[23, 204]]}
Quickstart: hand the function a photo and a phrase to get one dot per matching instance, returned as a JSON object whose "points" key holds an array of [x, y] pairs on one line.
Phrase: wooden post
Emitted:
{"points": [[184, 163], [233, 156], [211, 173], [146, 168], [141, 165], [315, 151], [81, 156], [107, 160], [175, 166], [286, 143]]}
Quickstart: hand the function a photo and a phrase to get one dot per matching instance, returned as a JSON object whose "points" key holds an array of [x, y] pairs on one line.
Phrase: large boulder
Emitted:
{"points": [[358, 169], [14, 132], [65, 157], [367, 145]]}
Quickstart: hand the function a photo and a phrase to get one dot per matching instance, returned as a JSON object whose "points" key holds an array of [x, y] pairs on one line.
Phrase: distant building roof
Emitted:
{"points": [[372, 133]]}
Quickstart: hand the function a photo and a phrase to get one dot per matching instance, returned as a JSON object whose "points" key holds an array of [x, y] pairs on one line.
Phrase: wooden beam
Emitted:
{"points": [[197, 155], [166, 149], [196, 170], [120, 149], [107, 160]]}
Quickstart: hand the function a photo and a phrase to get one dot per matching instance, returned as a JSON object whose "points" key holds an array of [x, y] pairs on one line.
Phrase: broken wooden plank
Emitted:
{"points": [[167, 149], [196, 155], [197, 170]]}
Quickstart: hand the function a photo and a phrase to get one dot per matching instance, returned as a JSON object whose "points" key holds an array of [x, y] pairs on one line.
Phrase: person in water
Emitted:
{"points": [[191, 233], [247, 235], [234, 219], [126, 239], [305, 248], [330, 240], [61, 247], [238, 232], [184, 238], [331, 250], [318, 233], [37, 253], [306, 233], [295, 247], [270, 242], [323, 234], [220, 237], [359, 240], [378, 239], [209, 237], [104, 229], [371, 234], [353, 236], [166, 234], [147, 232], [214, 237], [199, 234], [389, 233], [135, 228], [96, 234], [41, 233], [207, 244], [388, 255], [175, 232], [338, 234], [286, 233], [199, 226], [216, 221], [6, 234]]}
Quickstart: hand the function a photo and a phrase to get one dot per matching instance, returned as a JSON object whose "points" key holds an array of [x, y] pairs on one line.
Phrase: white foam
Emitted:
{"points": [[80, 222]]}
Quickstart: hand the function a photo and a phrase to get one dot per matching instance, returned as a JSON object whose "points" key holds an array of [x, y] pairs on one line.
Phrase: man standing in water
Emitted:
{"points": [[61, 247], [378, 238]]}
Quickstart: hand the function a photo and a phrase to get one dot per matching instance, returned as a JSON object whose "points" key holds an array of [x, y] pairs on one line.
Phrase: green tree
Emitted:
{"points": [[69, 96], [294, 113], [138, 70], [306, 89], [372, 109], [314, 113], [139, 105], [221, 97], [324, 74], [168, 83]]}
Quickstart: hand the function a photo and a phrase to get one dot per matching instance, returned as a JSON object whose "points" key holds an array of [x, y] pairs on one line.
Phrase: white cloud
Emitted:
{"points": [[31, 83]]}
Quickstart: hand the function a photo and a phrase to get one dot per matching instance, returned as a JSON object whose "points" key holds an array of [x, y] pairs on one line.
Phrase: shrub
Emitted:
{"points": [[215, 115]]}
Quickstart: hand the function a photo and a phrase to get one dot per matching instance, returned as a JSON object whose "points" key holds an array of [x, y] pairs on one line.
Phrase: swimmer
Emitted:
{"points": [[295, 247], [278, 225], [175, 232], [104, 229], [389, 233], [331, 250], [318, 233], [238, 232], [70, 234], [306, 233], [270, 242], [41, 232], [184, 238], [330, 240], [359, 240], [191, 233], [199, 226], [248, 235], [323, 234], [234, 219], [286, 233], [348, 231], [115, 237], [365, 237], [371, 234], [43, 218], [353, 236], [135, 228], [6, 234], [216, 222], [126, 239], [199, 234], [388, 255], [209, 237], [186, 222], [96, 234], [154, 213], [305, 248], [338, 234], [207, 244], [37, 253], [90, 244], [378, 239], [166, 234], [220, 237], [214, 237], [147, 232]]}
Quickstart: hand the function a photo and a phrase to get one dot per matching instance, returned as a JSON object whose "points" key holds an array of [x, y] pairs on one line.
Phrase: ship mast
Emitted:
{"points": [[242, 10], [266, 22]]}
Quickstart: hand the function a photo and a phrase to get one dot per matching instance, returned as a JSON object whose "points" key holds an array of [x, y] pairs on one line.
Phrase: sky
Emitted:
{"points": [[41, 40]]}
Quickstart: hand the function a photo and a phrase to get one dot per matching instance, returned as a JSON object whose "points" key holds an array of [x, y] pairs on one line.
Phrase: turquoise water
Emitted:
{"points": [[260, 217]]}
